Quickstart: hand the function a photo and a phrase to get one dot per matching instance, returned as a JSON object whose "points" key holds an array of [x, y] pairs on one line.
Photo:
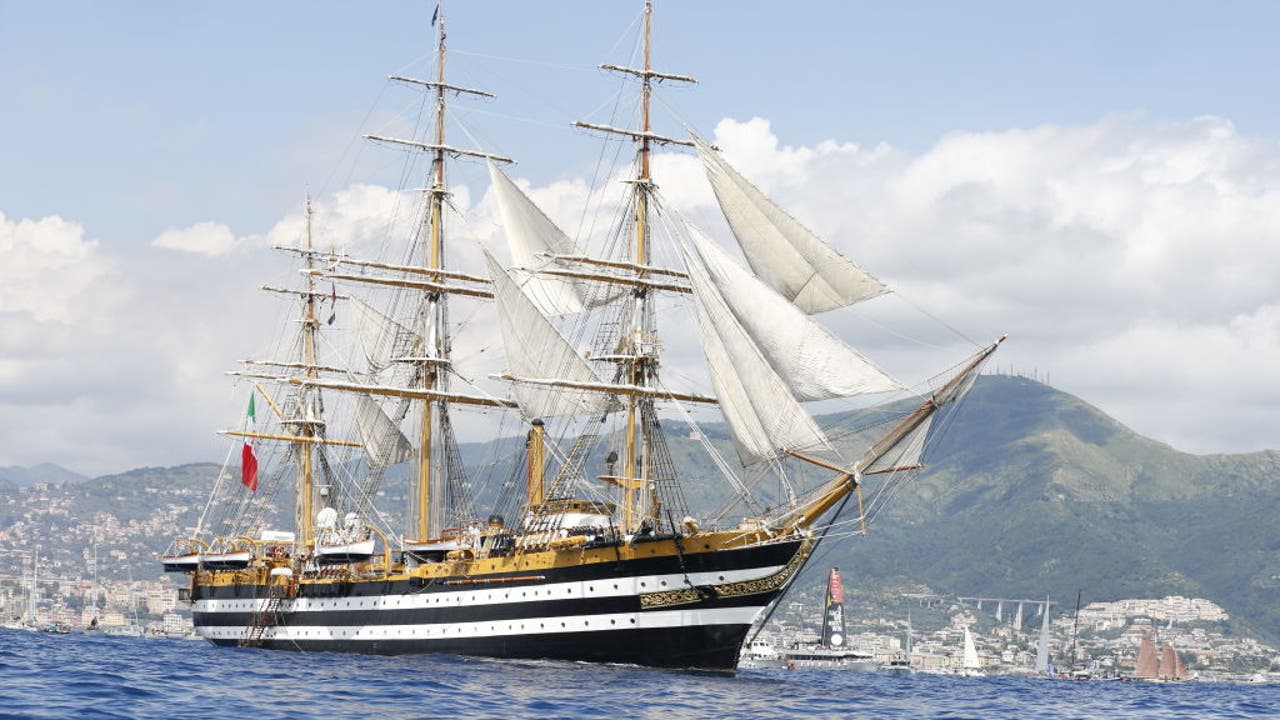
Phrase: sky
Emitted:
{"points": [[1099, 180]]}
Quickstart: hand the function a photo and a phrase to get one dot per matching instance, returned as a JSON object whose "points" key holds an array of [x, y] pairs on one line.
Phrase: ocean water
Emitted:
{"points": [[80, 676]]}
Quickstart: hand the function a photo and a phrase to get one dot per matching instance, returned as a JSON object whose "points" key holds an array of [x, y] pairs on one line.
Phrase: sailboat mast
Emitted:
{"points": [[35, 584], [1075, 630], [434, 327], [306, 483]]}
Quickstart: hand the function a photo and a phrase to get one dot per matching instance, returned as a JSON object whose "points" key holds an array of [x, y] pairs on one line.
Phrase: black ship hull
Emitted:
{"points": [[679, 611]]}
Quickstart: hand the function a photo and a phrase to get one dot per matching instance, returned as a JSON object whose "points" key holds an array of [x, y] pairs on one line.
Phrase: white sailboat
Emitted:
{"points": [[971, 664], [1042, 647]]}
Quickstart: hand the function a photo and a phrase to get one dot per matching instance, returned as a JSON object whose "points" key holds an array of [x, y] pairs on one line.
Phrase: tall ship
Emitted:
{"points": [[573, 539]]}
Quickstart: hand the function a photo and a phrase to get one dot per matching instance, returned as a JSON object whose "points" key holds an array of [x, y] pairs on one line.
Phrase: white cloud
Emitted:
{"points": [[206, 238], [47, 269], [1132, 261]]}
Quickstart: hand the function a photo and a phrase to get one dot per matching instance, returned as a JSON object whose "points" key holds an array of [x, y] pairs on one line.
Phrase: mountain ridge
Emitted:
{"points": [[42, 473], [1029, 491]]}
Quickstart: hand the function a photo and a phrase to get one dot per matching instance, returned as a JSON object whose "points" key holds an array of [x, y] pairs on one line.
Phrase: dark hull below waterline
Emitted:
{"points": [[711, 647]]}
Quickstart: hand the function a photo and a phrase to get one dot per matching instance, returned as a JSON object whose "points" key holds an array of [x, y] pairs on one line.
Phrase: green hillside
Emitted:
{"points": [[1034, 491]]}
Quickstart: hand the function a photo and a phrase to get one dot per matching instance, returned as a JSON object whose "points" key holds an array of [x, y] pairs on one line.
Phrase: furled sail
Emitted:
{"points": [[781, 251], [763, 416], [384, 443], [815, 364], [537, 351], [531, 235]]}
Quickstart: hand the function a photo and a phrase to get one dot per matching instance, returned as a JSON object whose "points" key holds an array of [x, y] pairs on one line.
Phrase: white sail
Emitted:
{"points": [[381, 338], [384, 443], [971, 661], [530, 236], [908, 652], [905, 453], [815, 364], [1042, 648], [537, 351], [781, 251], [763, 416]]}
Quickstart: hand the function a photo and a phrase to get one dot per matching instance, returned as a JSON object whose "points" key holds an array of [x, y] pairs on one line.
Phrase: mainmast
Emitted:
{"points": [[639, 356], [434, 326], [637, 478], [434, 313]]}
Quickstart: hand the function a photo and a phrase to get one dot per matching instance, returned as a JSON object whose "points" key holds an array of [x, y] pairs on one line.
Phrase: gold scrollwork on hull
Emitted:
{"points": [[667, 598], [687, 596], [768, 583]]}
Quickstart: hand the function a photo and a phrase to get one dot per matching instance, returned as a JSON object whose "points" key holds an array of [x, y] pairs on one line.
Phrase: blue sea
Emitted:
{"points": [[83, 676]]}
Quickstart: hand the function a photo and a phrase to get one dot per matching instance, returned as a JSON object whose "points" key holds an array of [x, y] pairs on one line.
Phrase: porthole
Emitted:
{"points": [[633, 621], [663, 583], [613, 622], [721, 578]]}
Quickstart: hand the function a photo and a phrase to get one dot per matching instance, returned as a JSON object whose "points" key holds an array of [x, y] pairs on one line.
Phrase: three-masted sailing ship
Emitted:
{"points": [[588, 551]]}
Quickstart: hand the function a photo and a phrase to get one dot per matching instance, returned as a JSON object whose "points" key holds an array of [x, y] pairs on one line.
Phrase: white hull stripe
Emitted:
{"points": [[470, 597], [483, 629]]}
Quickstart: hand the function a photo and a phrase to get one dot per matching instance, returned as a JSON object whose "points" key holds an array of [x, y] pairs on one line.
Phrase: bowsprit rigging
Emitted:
{"points": [[587, 548]]}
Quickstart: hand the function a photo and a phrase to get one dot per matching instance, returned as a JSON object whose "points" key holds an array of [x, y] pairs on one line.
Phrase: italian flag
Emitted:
{"points": [[249, 461]]}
